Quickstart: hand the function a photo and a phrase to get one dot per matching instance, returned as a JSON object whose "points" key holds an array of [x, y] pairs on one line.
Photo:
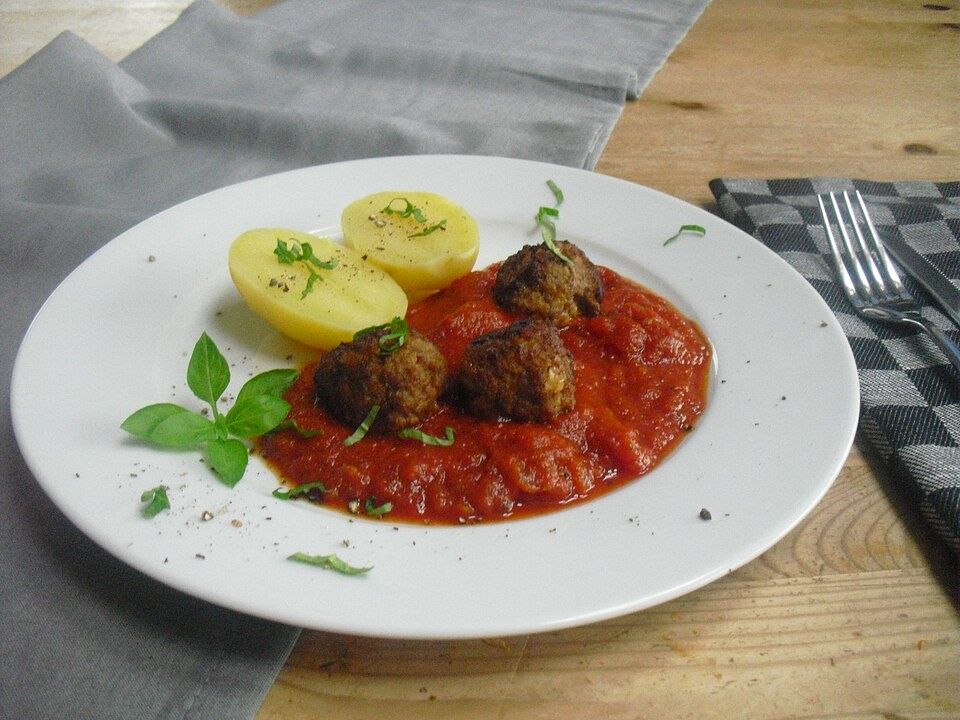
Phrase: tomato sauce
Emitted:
{"points": [[641, 381]]}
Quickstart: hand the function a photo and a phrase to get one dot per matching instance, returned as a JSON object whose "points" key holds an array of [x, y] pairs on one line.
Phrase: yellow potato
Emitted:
{"points": [[423, 251], [348, 297]]}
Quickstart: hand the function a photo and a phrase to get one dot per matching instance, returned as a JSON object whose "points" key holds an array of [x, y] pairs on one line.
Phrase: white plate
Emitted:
{"points": [[117, 333]]}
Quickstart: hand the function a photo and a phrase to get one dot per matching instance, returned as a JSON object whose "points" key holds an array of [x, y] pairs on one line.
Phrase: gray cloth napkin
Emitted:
{"points": [[909, 395], [88, 148]]}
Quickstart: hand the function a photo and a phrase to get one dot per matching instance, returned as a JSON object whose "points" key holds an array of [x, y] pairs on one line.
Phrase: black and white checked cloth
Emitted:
{"points": [[909, 392]]}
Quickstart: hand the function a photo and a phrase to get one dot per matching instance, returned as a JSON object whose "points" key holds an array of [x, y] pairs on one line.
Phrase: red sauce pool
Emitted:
{"points": [[641, 380]]}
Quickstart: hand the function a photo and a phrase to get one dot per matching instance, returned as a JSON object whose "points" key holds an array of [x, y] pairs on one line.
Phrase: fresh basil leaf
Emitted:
{"points": [[228, 459], [143, 421], [416, 434], [271, 382], [208, 373], [181, 430], [256, 415], [695, 229], [370, 507], [358, 434], [329, 562], [156, 501], [220, 423], [305, 489]]}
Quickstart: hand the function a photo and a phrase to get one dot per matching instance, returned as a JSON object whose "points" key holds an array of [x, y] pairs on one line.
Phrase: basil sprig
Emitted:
{"points": [[329, 562], [303, 252], [547, 218], [258, 408], [695, 229], [156, 501]]}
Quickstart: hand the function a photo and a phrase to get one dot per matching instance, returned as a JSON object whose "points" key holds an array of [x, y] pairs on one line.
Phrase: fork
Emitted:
{"points": [[869, 278]]}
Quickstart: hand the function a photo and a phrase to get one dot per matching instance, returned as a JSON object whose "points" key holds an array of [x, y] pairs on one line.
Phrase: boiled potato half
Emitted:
{"points": [[351, 295], [423, 240]]}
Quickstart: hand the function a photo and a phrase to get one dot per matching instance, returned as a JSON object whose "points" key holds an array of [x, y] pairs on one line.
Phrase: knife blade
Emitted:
{"points": [[924, 272]]}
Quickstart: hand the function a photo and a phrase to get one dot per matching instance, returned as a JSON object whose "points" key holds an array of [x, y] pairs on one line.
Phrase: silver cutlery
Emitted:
{"points": [[868, 276]]}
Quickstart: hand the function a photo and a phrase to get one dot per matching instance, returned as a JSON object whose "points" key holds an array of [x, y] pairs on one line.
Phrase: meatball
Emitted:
{"points": [[523, 372], [405, 382], [535, 281]]}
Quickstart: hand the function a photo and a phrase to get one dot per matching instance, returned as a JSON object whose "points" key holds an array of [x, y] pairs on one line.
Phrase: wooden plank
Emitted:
{"points": [[877, 644]]}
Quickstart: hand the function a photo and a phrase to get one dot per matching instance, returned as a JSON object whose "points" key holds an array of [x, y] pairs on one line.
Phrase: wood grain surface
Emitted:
{"points": [[854, 614]]}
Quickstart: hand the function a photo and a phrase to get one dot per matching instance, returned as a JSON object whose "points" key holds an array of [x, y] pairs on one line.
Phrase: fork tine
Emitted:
{"points": [[841, 266], [848, 243], [881, 251], [874, 270]]}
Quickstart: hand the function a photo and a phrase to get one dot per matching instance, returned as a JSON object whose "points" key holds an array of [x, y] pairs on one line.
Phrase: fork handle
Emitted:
{"points": [[943, 341]]}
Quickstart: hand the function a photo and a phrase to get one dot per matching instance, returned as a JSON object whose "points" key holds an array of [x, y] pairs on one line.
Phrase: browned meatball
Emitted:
{"points": [[535, 281], [522, 372], [405, 383]]}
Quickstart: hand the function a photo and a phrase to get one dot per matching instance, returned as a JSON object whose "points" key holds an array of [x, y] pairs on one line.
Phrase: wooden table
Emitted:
{"points": [[854, 613]]}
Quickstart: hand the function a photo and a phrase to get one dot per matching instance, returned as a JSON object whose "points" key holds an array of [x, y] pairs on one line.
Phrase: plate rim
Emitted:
{"points": [[17, 392]]}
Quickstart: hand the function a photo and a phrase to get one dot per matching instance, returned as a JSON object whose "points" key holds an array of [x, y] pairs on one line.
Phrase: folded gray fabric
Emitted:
{"points": [[88, 148], [910, 396]]}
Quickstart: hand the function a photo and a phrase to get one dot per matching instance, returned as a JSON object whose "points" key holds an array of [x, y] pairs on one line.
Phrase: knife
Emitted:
{"points": [[934, 281]]}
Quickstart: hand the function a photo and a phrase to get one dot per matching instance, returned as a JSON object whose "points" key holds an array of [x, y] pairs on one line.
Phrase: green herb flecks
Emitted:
{"points": [[557, 192], [258, 409], [329, 562], [390, 341], [547, 218], [359, 433], [416, 434], [156, 501], [303, 253], [313, 491], [408, 209], [370, 507], [442, 225], [693, 229]]}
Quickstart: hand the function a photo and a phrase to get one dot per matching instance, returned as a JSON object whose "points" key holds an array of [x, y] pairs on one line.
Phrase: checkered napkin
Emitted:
{"points": [[909, 392]]}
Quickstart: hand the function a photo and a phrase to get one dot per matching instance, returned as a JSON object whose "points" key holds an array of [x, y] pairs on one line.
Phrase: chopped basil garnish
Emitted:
{"points": [[303, 252], [258, 409], [411, 210], [308, 489], [546, 218], [557, 192], [416, 434], [391, 341], [358, 434], [371, 508], [442, 225], [695, 229], [156, 501], [329, 562]]}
